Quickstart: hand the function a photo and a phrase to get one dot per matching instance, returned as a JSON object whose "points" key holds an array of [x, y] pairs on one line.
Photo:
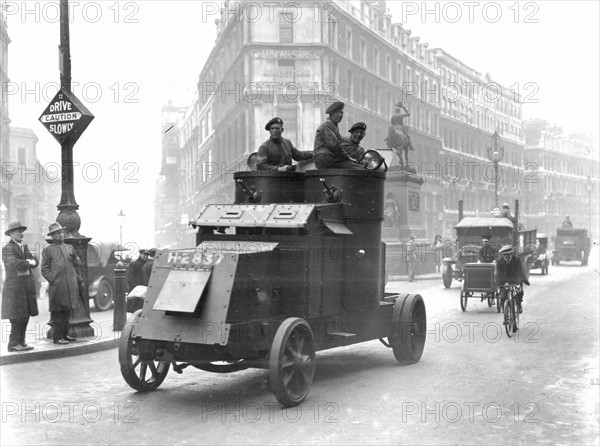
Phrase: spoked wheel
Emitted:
{"points": [[509, 318], [222, 366], [142, 375], [498, 303], [409, 328], [463, 300], [447, 276], [292, 361], [104, 296]]}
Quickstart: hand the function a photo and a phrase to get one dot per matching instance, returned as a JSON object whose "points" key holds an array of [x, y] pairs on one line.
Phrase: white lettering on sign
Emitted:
{"points": [[61, 129], [73, 116], [196, 258], [287, 54], [59, 106]]}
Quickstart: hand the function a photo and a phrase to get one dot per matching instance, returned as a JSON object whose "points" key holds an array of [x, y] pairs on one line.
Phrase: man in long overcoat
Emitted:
{"points": [[59, 263], [18, 294], [134, 273]]}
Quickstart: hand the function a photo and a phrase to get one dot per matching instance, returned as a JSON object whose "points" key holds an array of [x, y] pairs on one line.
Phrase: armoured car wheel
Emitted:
{"points": [[292, 361], [447, 276], [135, 370], [104, 296], [409, 327], [463, 300]]}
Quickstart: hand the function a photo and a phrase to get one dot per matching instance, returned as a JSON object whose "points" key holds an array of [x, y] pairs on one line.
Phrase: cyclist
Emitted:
{"points": [[509, 269]]}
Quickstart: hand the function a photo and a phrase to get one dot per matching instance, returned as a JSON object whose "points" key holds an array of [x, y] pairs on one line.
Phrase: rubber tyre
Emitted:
{"points": [[464, 299], [409, 328], [292, 362], [508, 318], [447, 276], [129, 360], [103, 299]]}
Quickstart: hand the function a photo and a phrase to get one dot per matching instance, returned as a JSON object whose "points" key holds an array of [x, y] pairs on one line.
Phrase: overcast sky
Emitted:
{"points": [[128, 58]]}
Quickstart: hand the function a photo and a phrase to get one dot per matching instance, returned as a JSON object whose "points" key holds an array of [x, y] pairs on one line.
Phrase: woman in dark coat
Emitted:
{"points": [[59, 263], [18, 294]]}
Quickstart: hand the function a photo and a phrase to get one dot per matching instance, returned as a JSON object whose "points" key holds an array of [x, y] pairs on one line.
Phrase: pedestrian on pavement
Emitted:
{"points": [[147, 268], [437, 246], [59, 263], [328, 152], [411, 257], [277, 152], [134, 273], [18, 293]]}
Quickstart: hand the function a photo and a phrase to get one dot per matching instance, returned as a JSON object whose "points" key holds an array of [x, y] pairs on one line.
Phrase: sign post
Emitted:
{"points": [[66, 118]]}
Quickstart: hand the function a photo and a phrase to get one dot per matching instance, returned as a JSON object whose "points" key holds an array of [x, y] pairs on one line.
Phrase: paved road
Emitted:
{"points": [[472, 386]]}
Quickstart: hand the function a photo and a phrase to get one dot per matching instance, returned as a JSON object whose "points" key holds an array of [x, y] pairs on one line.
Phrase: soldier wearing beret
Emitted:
{"points": [[328, 152], [352, 145], [18, 295], [277, 152]]}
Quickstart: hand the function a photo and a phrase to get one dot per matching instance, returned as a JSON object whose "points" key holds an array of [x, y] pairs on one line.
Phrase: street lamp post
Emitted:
{"points": [[495, 154], [122, 215]]}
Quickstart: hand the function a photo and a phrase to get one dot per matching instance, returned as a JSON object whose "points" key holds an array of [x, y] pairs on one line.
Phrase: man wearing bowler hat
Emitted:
{"points": [[277, 152], [59, 263], [328, 151], [352, 145], [19, 294]]}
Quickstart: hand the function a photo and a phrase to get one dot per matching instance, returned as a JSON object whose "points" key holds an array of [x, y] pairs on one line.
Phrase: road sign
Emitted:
{"points": [[66, 117]]}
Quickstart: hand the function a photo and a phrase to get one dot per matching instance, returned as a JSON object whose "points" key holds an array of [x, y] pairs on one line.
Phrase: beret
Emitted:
{"points": [[334, 107], [506, 249], [359, 126], [273, 121]]}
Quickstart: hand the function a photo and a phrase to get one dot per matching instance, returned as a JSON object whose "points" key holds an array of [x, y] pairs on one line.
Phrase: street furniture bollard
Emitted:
{"points": [[120, 314]]}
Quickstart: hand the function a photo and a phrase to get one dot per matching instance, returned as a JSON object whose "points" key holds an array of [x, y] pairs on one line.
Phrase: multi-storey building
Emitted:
{"points": [[292, 62], [472, 108], [562, 179], [5, 205]]}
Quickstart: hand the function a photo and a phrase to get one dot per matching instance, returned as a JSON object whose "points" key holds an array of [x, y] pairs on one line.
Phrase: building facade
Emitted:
{"points": [[291, 63], [5, 177]]}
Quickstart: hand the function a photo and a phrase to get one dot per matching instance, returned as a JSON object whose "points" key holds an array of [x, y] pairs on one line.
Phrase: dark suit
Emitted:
{"points": [[274, 154], [135, 276], [487, 254], [18, 294], [147, 270], [511, 272]]}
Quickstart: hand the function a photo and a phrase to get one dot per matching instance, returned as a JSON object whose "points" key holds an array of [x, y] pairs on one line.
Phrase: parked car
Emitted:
{"points": [[102, 258]]}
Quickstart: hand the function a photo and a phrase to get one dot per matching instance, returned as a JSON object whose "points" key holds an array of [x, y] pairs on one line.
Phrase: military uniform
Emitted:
{"points": [[275, 153]]}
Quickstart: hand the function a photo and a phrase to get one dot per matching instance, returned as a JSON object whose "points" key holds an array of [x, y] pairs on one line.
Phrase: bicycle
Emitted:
{"points": [[511, 316]]}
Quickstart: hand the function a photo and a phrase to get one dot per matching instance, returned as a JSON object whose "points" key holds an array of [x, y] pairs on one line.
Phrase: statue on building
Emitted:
{"points": [[398, 138], [390, 211]]}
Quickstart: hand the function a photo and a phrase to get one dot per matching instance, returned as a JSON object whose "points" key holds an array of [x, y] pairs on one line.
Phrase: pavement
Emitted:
{"points": [[104, 337]]}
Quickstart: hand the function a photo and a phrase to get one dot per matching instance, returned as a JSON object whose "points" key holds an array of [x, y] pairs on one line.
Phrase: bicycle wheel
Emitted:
{"points": [[509, 317]]}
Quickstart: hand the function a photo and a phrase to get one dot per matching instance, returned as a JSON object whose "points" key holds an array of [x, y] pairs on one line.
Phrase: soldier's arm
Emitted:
{"points": [[299, 155], [263, 159]]}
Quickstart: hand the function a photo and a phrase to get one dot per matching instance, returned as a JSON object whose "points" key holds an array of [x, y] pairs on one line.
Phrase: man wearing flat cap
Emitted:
{"points": [[18, 294], [59, 263], [328, 152], [134, 273], [509, 269], [277, 152], [352, 145], [487, 252]]}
